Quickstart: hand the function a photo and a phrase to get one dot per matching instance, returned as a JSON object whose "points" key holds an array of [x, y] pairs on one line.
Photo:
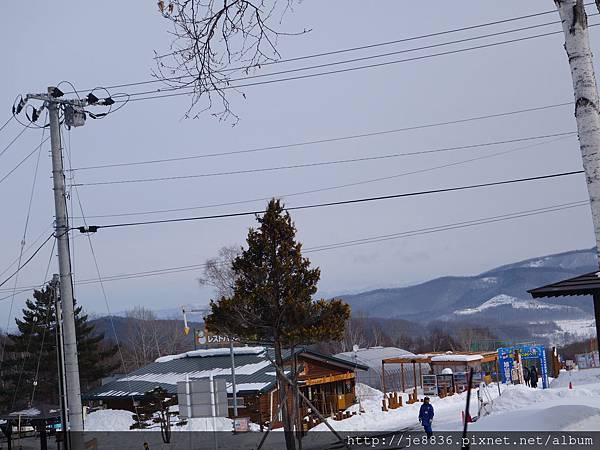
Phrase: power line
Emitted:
{"points": [[13, 141], [158, 93], [36, 240], [328, 140], [349, 243], [346, 202], [31, 335], [312, 164], [397, 41], [352, 49], [21, 266], [6, 123], [465, 224], [24, 160], [331, 187], [348, 61], [22, 247]]}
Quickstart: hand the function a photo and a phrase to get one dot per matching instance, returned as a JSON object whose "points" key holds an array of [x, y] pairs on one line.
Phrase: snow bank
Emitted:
{"points": [[120, 420], [588, 378], [109, 420], [519, 408], [555, 418], [212, 352]]}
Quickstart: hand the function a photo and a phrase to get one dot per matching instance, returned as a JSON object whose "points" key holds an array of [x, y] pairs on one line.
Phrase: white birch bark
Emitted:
{"points": [[587, 114]]}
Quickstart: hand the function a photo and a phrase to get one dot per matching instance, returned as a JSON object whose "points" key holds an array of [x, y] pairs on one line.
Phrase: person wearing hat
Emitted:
{"points": [[426, 416]]}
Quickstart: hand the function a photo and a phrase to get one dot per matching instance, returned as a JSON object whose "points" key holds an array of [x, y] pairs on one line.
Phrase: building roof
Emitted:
{"points": [[586, 284], [372, 356], [39, 411], [456, 358], [253, 371]]}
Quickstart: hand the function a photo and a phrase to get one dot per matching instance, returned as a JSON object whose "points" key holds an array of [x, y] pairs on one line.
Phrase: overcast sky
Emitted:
{"points": [[108, 43]]}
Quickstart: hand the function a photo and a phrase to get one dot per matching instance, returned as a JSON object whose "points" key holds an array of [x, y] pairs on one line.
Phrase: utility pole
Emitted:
{"points": [[73, 389], [233, 385], [74, 115], [60, 363]]}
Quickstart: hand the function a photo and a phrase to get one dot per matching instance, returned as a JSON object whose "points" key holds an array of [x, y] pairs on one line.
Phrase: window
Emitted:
{"points": [[239, 401]]}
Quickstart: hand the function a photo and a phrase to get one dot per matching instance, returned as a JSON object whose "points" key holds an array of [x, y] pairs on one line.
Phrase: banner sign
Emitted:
{"points": [[528, 352]]}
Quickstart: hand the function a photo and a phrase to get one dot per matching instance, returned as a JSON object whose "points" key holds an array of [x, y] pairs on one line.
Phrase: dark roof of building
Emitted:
{"points": [[586, 284], [38, 411], [254, 372]]}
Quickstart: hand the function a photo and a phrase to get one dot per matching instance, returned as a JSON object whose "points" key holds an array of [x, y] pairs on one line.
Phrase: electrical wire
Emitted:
{"points": [[31, 335], [24, 160], [346, 202], [348, 243], [106, 302], [36, 240], [328, 140], [160, 93], [331, 187], [314, 164], [21, 266], [23, 242], [353, 60], [465, 224], [351, 49], [5, 124], [4, 150]]}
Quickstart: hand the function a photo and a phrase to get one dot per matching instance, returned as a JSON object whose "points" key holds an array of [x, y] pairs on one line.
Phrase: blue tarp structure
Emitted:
{"points": [[527, 352]]}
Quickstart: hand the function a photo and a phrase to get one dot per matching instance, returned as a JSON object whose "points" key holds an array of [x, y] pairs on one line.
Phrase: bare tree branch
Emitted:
{"points": [[209, 36]]}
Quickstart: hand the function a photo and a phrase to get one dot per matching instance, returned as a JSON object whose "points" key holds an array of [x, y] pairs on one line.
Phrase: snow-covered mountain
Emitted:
{"points": [[515, 303], [441, 297]]}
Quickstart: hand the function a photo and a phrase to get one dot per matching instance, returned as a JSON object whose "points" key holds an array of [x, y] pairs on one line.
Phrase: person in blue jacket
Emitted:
{"points": [[426, 416]]}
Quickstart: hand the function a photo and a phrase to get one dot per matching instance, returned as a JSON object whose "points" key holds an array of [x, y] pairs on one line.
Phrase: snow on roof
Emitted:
{"points": [[247, 387], [456, 358], [26, 412], [175, 377], [212, 352], [372, 356]]}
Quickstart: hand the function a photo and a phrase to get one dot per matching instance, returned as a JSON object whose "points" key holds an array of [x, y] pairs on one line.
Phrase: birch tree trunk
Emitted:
{"points": [[587, 114]]}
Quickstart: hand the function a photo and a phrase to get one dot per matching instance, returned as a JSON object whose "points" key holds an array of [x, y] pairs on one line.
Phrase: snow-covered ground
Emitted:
{"points": [[519, 408], [120, 420], [570, 330]]}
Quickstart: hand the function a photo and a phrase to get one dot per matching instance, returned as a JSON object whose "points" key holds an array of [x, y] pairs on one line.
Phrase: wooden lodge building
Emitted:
{"points": [[327, 381]]}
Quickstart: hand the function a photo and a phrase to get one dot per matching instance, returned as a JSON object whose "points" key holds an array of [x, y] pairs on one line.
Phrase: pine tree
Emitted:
{"points": [[29, 372], [272, 300]]}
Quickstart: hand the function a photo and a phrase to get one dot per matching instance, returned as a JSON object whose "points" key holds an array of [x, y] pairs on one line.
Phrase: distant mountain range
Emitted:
{"points": [[496, 298], [441, 297]]}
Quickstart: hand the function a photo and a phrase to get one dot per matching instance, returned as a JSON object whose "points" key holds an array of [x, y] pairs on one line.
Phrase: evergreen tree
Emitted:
{"points": [[29, 371], [272, 298]]}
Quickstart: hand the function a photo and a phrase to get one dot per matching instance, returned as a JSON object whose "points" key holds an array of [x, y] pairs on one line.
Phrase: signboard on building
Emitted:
{"points": [[531, 353], [241, 424], [587, 360]]}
